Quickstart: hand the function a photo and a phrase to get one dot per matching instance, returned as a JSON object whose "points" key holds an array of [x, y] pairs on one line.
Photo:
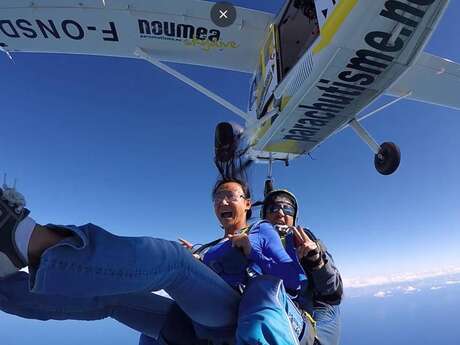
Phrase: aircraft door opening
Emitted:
{"points": [[298, 29], [267, 75]]}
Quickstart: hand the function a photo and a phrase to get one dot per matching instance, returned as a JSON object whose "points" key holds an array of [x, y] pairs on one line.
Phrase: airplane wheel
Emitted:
{"points": [[224, 142], [387, 160]]}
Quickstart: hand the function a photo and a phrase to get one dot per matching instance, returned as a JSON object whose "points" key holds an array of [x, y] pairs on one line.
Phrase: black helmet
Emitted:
{"points": [[278, 194]]}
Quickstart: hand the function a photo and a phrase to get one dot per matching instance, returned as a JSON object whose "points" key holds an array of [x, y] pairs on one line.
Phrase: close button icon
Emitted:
{"points": [[223, 14]]}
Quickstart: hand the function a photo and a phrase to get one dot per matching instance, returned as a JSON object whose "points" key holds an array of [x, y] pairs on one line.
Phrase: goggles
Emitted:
{"points": [[287, 209], [227, 195]]}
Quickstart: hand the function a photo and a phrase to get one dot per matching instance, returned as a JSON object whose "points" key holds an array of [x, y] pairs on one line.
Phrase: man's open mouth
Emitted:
{"points": [[226, 215]]}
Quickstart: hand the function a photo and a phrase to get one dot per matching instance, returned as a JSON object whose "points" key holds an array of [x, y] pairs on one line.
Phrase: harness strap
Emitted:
{"points": [[307, 331], [201, 251]]}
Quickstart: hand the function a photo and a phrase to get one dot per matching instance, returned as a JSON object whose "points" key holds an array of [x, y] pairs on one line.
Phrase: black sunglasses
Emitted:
{"points": [[288, 210]]}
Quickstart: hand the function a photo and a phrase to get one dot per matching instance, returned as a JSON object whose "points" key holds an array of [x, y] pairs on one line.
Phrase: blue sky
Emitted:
{"points": [[123, 145]]}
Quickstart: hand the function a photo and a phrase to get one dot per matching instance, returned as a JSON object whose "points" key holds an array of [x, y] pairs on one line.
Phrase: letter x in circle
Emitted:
{"points": [[223, 14]]}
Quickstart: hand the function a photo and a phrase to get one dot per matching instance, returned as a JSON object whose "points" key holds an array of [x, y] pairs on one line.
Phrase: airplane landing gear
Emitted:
{"points": [[387, 160], [387, 156]]}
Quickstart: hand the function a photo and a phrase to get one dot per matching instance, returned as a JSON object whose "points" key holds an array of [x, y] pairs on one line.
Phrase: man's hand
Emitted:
{"points": [[241, 241], [187, 245], [307, 250]]}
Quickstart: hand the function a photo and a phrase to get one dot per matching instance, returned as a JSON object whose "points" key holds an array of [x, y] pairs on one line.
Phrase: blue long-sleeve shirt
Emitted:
{"points": [[267, 253]]}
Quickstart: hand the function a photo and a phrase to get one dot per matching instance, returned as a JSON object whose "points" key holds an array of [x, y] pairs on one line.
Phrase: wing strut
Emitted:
{"points": [[146, 56], [365, 136], [408, 94], [361, 118], [362, 133]]}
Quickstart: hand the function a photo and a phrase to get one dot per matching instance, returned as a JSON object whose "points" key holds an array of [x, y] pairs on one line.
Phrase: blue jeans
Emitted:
{"points": [[327, 319], [145, 313], [266, 317], [94, 274], [328, 324]]}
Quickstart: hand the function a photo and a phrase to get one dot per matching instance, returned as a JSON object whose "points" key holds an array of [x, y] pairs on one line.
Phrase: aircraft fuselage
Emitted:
{"points": [[363, 48]]}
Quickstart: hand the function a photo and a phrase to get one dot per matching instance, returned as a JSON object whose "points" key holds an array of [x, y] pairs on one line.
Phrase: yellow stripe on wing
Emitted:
{"points": [[333, 23], [285, 146]]}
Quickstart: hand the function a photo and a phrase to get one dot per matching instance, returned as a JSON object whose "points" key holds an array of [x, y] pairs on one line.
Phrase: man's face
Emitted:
{"points": [[280, 212], [231, 205]]}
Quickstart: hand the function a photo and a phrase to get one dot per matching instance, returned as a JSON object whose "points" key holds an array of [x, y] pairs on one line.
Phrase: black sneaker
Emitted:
{"points": [[12, 212]]}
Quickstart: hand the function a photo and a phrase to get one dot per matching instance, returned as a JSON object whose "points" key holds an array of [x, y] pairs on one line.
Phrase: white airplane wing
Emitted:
{"points": [[170, 30], [431, 79]]}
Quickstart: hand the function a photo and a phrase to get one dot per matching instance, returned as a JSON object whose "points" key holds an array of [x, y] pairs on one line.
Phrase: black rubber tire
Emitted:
{"points": [[387, 160], [224, 142]]}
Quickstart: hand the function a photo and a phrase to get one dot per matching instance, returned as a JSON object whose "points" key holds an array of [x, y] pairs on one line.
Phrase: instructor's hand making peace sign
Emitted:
{"points": [[307, 250]]}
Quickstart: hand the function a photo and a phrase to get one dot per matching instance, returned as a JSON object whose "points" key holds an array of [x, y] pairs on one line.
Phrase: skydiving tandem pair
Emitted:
{"points": [[77, 277]]}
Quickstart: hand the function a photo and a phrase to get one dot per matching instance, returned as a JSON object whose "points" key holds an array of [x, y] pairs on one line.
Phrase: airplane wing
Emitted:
{"points": [[431, 79], [170, 30]]}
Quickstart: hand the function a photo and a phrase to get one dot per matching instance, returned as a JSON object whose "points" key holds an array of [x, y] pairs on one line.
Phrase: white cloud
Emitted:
{"points": [[436, 287], [410, 289], [360, 282], [384, 293], [381, 294], [452, 282]]}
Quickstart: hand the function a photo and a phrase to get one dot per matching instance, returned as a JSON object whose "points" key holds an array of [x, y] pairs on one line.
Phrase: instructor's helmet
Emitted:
{"points": [[279, 195]]}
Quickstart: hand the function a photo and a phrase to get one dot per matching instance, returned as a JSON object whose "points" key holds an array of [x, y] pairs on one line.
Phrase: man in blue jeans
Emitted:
{"points": [[85, 272], [90, 262]]}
